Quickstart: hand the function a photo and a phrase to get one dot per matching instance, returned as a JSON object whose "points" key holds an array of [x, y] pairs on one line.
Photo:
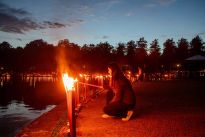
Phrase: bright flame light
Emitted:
{"points": [[68, 82]]}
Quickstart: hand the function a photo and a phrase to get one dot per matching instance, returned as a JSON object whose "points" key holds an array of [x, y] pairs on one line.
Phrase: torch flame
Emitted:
{"points": [[68, 82]]}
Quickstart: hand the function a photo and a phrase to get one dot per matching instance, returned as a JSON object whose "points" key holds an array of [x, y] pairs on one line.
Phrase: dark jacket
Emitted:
{"points": [[123, 91]]}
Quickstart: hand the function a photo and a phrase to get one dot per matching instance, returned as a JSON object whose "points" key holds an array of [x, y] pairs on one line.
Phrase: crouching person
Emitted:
{"points": [[120, 99]]}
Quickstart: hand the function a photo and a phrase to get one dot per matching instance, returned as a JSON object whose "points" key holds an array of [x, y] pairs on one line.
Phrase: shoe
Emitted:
{"points": [[129, 115], [106, 116]]}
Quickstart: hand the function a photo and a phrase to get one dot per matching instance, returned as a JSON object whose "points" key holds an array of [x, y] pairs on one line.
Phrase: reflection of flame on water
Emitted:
{"points": [[68, 82]]}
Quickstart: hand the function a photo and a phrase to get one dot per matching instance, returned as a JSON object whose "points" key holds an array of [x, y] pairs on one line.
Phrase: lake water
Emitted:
{"points": [[22, 102], [16, 115]]}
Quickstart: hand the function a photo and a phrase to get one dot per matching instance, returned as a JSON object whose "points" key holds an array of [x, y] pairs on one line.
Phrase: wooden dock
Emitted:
{"points": [[171, 108]]}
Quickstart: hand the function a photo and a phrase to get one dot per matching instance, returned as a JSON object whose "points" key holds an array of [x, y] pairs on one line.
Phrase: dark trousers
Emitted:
{"points": [[118, 109]]}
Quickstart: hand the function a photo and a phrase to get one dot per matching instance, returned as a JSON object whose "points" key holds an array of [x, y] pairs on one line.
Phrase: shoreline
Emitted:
{"points": [[46, 124]]}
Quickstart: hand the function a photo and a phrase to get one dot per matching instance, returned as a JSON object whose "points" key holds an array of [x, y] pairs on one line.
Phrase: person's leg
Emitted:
{"points": [[116, 109], [129, 115], [130, 112], [108, 108], [109, 96]]}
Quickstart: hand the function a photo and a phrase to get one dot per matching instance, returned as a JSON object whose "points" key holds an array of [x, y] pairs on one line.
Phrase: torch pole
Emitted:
{"points": [[71, 112], [77, 95]]}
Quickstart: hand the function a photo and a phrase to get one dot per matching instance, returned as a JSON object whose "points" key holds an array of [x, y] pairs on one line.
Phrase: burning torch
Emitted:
{"points": [[69, 83]]}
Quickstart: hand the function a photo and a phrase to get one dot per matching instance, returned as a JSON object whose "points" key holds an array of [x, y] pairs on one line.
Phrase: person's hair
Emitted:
{"points": [[116, 71]]}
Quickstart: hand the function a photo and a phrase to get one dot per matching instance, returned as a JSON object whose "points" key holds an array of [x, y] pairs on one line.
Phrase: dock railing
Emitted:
{"points": [[88, 87]]}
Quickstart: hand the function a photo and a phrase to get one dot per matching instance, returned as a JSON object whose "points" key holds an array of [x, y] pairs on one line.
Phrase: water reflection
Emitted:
{"points": [[23, 99], [33, 78], [30, 78], [16, 115], [5, 77]]}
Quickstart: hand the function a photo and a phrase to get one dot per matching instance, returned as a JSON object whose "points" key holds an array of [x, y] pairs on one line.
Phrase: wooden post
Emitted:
{"points": [[71, 112]]}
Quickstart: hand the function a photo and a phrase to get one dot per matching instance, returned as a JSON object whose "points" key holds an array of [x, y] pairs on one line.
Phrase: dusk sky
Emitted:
{"points": [[95, 21]]}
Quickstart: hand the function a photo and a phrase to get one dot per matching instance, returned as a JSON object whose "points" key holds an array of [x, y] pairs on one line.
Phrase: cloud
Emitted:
{"points": [[12, 11], [19, 39], [18, 21], [164, 2], [13, 24], [107, 5], [114, 1], [76, 21], [83, 10], [48, 24], [105, 37], [155, 3], [150, 5], [201, 33], [131, 13]]}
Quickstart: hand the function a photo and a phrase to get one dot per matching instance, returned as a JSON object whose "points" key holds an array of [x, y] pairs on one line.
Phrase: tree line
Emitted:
{"points": [[42, 57]]}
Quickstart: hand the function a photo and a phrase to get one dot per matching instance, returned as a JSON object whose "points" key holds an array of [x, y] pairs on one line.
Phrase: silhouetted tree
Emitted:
{"points": [[196, 46], [182, 49], [141, 53], [73, 56], [120, 50], [5, 46], [169, 54], [18, 63], [87, 52], [120, 53], [6, 55], [142, 43], [130, 53], [102, 55], [154, 57], [39, 56], [68, 56]]}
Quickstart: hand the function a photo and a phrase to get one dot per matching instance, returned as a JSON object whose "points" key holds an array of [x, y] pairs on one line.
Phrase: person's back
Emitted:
{"points": [[128, 94]]}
